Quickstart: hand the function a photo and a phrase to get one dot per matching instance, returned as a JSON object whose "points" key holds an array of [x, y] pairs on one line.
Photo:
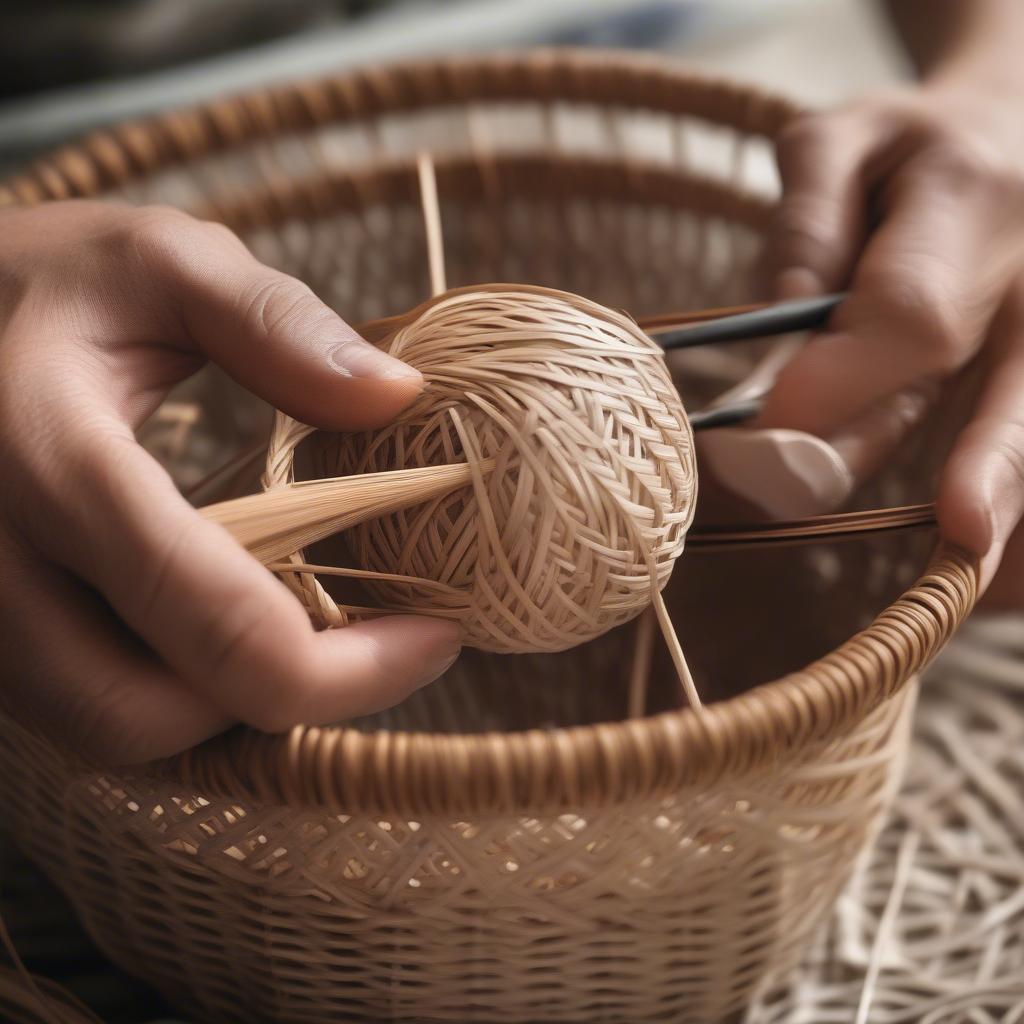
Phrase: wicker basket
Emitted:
{"points": [[507, 845]]}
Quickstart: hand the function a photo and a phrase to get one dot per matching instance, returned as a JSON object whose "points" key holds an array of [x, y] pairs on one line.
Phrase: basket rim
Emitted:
{"points": [[537, 770], [597, 765], [110, 157]]}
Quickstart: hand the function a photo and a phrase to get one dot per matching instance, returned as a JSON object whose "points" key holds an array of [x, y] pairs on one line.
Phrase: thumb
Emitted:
{"points": [[271, 333]]}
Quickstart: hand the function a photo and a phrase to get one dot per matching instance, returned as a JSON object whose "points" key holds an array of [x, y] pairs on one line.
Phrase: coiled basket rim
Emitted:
{"points": [[534, 771]]}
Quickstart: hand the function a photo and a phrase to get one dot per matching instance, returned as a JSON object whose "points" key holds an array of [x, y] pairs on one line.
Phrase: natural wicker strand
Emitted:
{"points": [[643, 650], [904, 862], [359, 574], [432, 222], [285, 519], [675, 648], [832, 527]]}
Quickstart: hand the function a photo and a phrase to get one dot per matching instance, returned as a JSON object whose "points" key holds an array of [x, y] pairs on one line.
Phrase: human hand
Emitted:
{"points": [[913, 200], [130, 626]]}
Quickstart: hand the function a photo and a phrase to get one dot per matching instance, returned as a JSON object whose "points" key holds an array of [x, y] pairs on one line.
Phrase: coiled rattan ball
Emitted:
{"points": [[584, 480]]}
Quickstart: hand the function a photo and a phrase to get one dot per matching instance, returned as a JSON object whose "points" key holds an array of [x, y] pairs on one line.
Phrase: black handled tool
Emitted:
{"points": [[779, 318]]}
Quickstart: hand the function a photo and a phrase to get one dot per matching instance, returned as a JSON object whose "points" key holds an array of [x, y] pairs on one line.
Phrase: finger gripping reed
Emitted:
{"points": [[593, 481]]}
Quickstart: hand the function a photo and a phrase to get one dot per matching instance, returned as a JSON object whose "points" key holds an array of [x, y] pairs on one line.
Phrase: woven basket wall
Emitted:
{"points": [[504, 846]]}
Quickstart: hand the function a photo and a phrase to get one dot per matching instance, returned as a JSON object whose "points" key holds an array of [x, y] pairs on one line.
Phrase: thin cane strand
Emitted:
{"points": [[432, 222]]}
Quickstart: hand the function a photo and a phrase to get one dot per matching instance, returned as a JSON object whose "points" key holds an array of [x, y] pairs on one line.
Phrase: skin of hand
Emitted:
{"points": [[914, 201], [130, 627]]}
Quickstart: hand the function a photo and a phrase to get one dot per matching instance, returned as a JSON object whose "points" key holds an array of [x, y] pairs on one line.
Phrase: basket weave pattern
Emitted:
{"points": [[504, 847], [660, 909]]}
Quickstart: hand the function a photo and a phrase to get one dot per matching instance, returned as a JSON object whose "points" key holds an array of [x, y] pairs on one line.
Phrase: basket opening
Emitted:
{"points": [[744, 618]]}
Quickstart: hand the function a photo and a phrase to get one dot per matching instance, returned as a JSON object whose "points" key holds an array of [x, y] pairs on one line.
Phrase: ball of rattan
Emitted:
{"points": [[585, 476]]}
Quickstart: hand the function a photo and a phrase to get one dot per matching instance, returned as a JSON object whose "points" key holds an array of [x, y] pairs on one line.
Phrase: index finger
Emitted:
{"points": [[923, 294]]}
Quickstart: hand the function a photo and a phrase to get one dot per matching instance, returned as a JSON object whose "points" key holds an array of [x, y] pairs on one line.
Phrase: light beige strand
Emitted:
{"points": [[432, 222], [901, 876], [278, 522], [641, 667]]}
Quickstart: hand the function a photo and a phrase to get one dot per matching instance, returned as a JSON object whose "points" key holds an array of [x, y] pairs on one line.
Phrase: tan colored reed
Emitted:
{"points": [[279, 522]]}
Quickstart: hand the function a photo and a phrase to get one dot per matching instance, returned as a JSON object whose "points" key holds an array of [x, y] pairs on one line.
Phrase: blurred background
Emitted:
{"points": [[68, 66]]}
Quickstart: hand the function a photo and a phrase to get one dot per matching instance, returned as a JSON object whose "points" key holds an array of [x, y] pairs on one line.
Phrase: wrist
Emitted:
{"points": [[986, 103], [978, 79], [986, 59]]}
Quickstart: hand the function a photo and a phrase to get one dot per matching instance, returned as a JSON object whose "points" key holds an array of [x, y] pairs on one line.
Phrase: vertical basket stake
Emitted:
{"points": [[643, 649], [432, 223]]}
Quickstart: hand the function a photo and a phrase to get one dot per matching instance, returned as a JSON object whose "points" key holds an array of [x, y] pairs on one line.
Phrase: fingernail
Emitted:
{"points": [[798, 283], [786, 473], [358, 358]]}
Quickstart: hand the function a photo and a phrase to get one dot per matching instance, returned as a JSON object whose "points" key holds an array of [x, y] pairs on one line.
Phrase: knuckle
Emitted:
{"points": [[959, 165], [803, 225], [100, 461], [44, 479], [163, 570], [1009, 451], [1002, 442], [221, 232], [277, 718], [276, 303], [283, 704], [154, 235], [805, 130], [953, 162], [103, 726], [242, 647], [928, 320], [944, 345], [162, 238], [232, 640], [944, 340]]}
